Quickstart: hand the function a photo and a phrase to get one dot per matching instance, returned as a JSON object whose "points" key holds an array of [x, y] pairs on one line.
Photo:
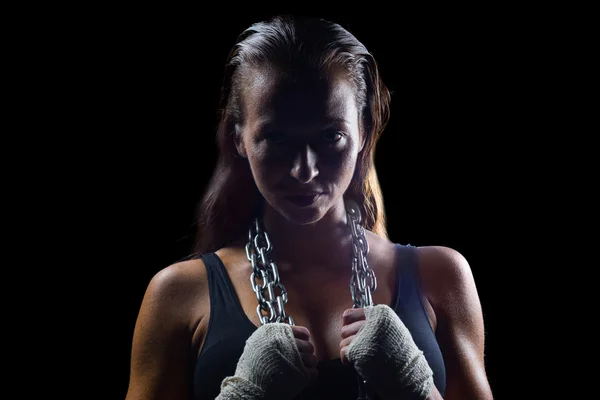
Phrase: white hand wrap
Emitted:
{"points": [[384, 353], [269, 368]]}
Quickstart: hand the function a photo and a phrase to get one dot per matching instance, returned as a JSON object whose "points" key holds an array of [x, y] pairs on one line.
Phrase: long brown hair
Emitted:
{"points": [[231, 199]]}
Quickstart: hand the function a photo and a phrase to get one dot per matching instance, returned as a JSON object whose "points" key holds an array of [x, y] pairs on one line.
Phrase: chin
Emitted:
{"points": [[302, 218], [300, 214]]}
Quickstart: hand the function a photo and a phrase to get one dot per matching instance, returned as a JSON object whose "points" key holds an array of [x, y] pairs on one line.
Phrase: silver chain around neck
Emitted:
{"points": [[265, 277]]}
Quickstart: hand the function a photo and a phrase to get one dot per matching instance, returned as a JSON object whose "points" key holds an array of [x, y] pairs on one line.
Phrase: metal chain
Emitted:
{"points": [[265, 278], [271, 294], [363, 282]]}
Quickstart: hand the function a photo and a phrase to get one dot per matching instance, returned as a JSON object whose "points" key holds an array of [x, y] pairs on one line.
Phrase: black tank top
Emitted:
{"points": [[229, 328]]}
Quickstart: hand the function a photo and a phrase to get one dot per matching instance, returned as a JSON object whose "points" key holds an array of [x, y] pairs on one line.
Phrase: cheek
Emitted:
{"points": [[349, 159], [264, 169], [338, 167], [348, 163]]}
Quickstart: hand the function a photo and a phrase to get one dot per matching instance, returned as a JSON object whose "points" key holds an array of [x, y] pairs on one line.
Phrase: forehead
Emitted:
{"points": [[272, 97]]}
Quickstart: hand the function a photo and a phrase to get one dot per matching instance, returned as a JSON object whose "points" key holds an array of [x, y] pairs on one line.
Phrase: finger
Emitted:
{"points": [[343, 356], [310, 360], [301, 332], [304, 346], [352, 315], [346, 341], [352, 329]]}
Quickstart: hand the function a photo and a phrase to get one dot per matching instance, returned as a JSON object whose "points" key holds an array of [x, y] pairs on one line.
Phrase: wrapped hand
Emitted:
{"points": [[382, 350]]}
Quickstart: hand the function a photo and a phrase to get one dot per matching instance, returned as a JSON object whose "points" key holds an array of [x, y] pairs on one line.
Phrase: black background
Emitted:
{"points": [[151, 79]]}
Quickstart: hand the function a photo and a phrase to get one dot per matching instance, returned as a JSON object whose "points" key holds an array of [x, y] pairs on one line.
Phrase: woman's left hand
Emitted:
{"points": [[353, 319]]}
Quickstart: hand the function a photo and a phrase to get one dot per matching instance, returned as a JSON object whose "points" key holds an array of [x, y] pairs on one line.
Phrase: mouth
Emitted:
{"points": [[304, 200]]}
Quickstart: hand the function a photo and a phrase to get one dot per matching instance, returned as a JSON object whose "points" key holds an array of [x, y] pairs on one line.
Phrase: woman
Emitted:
{"points": [[296, 291]]}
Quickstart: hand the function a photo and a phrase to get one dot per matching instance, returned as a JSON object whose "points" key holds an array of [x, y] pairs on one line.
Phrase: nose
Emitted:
{"points": [[304, 166]]}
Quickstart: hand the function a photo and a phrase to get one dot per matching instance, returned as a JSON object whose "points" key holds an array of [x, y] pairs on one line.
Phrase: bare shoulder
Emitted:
{"points": [[180, 285], [175, 299], [445, 273], [181, 275], [171, 310], [447, 283]]}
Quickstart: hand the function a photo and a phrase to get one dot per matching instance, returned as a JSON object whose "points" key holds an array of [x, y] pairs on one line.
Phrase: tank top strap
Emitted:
{"points": [[410, 307], [225, 308]]}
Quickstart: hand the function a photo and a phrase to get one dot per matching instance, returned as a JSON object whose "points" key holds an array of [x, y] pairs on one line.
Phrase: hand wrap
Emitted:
{"points": [[269, 368], [384, 354]]}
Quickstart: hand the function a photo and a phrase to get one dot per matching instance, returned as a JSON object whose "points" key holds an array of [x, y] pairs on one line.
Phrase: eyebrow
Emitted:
{"points": [[336, 121], [269, 123]]}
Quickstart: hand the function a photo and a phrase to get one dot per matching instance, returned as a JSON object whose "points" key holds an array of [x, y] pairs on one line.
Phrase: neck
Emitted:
{"points": [[323, 246]]}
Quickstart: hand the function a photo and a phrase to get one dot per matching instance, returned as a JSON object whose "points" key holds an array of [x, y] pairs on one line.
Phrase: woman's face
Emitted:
{"points": [[301, 138]]}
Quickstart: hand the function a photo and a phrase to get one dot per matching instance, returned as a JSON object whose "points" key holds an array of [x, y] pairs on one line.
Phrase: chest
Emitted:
{"points": [[316, 302]]}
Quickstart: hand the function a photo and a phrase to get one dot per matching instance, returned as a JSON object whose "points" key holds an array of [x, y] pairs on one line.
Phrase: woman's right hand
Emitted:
{"points": [[278, 362]]}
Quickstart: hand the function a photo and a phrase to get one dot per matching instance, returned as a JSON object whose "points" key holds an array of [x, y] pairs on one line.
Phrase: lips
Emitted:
{"points": [[303, 200]]}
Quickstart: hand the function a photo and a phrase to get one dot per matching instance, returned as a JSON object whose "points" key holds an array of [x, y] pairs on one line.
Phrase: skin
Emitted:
{"points": [[305, 134]]}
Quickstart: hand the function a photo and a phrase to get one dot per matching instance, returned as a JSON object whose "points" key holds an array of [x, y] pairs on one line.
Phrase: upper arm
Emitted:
{"points": [[449, 286], [161, 354]]}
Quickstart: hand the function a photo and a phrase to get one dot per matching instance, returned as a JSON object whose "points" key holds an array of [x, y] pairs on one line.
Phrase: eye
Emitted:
{"points": [[332, 136], [274, 137]]}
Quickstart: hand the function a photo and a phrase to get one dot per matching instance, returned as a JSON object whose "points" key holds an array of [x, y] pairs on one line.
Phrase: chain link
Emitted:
{"points": [[363, 282], [271, 294]]}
